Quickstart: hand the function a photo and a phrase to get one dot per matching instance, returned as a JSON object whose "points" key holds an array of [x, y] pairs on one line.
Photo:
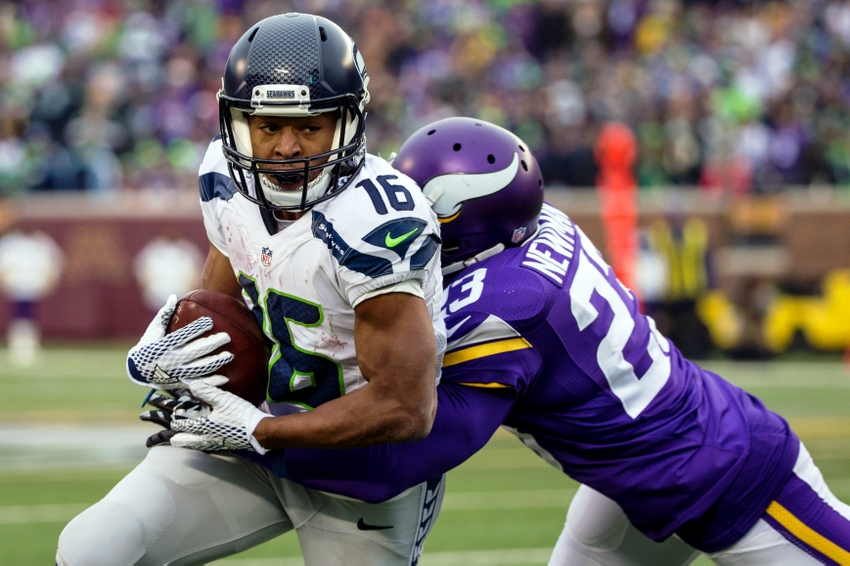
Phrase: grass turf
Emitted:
{"points": [[504, 506]]}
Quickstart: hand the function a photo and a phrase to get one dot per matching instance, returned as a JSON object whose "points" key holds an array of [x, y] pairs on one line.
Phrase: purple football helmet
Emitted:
{"points": [[481, 180]]}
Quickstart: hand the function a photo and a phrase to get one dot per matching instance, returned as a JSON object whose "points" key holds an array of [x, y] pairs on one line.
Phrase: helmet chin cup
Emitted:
{"points": [[293, 198]]}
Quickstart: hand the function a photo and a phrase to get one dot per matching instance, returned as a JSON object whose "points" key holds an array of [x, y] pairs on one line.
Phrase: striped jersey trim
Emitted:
{"points": [[807, 535], [214, 185], [370, 265], [492, 329], [484, 350], [492, 385]]}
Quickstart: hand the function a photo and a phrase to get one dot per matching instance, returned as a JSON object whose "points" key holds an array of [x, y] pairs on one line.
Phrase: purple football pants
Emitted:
{"points": [[805, 524]]}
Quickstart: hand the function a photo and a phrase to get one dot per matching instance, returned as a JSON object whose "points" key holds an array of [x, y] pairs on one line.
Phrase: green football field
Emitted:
{"points": [[69, 431]]}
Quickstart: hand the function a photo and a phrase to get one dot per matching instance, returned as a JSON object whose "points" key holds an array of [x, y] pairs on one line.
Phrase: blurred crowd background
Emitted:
{"points": [[105, 95], [729, 102]]}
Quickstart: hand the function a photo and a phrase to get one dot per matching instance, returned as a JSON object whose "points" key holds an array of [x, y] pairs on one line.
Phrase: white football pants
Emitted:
{"points": [[597, 531], [187, 507]]}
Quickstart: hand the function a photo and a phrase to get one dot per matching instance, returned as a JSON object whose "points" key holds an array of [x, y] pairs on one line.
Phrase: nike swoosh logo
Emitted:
{"points": [[393, 242], [453, 329], [365, 527]]}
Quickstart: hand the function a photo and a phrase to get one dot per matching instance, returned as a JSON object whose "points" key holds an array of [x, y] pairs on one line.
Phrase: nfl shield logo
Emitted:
{"points": [[266, 257], [518, 235]]}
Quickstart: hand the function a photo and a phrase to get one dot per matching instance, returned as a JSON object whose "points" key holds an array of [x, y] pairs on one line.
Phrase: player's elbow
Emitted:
{"points": [[423, 425], [416, 427], [419, 419]]}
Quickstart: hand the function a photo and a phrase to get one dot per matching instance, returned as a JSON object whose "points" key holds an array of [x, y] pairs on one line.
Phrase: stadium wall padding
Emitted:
{"points": [[98, 297]]}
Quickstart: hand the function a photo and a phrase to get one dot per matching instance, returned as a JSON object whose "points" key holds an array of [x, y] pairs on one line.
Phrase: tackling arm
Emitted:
{"points": [[466, 419], [397, 353]]}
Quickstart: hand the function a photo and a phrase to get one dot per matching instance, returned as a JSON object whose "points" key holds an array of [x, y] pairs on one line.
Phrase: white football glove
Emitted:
{"points": [[175, 403], [163, 361], [229, 426], [170, 405]]}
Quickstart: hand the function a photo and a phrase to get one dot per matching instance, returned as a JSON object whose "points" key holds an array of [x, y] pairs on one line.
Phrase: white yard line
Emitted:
{"points": [[31, 447], [752, 383], [26, 447], [486, 557], [25, 514], [459, 501], [495, 500], [290, 561], [466, 558]]}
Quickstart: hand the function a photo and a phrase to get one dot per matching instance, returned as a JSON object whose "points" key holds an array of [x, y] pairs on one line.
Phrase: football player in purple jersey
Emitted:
{"points": [[545, 339]]}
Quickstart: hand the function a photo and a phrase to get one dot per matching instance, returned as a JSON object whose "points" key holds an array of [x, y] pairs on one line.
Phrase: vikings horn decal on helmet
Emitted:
{"points": [[481, 180], [294, 65]]}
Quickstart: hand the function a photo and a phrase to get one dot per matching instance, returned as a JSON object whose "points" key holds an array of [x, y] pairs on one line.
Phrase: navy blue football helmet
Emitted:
{"points": [[294, 65]]}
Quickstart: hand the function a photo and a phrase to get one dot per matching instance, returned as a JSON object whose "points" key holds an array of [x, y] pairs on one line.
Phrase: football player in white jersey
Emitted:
{"points": [[338, 255]]}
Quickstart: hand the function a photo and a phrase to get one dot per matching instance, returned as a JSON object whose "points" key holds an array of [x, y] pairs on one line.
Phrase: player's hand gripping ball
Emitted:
{"points": [[168, 361], [247, 372]]}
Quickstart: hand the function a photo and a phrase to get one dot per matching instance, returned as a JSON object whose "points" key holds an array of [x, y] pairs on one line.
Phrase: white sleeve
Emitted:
{"points": [[381, 232], [409, 286], [381, 258], [215, 187], [213, 227]]}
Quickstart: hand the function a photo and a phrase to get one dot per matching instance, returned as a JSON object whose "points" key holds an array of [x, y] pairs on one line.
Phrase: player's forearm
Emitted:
{"points": [[397, 355], [466, 419], [366, 417]]}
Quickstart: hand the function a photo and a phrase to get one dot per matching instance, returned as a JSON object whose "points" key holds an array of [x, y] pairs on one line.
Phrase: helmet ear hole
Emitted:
{"points": [[451, 246]]}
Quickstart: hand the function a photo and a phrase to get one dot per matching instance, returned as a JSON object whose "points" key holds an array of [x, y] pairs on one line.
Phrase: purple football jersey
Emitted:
{"points": [[603, 396]]}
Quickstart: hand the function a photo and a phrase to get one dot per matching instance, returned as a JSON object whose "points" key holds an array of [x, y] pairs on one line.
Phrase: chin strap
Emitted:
{"points": [[269, 221], [481, 256]]}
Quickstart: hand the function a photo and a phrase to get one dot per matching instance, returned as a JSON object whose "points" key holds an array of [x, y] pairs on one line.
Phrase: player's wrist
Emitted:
{"points": [[259, 432]]}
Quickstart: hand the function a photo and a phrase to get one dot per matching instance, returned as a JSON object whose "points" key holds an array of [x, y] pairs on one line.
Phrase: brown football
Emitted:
{"points": [[248, 371]]}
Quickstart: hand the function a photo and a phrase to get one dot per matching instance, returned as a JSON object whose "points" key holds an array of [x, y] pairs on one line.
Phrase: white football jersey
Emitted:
{"points": [[304, 281]]}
